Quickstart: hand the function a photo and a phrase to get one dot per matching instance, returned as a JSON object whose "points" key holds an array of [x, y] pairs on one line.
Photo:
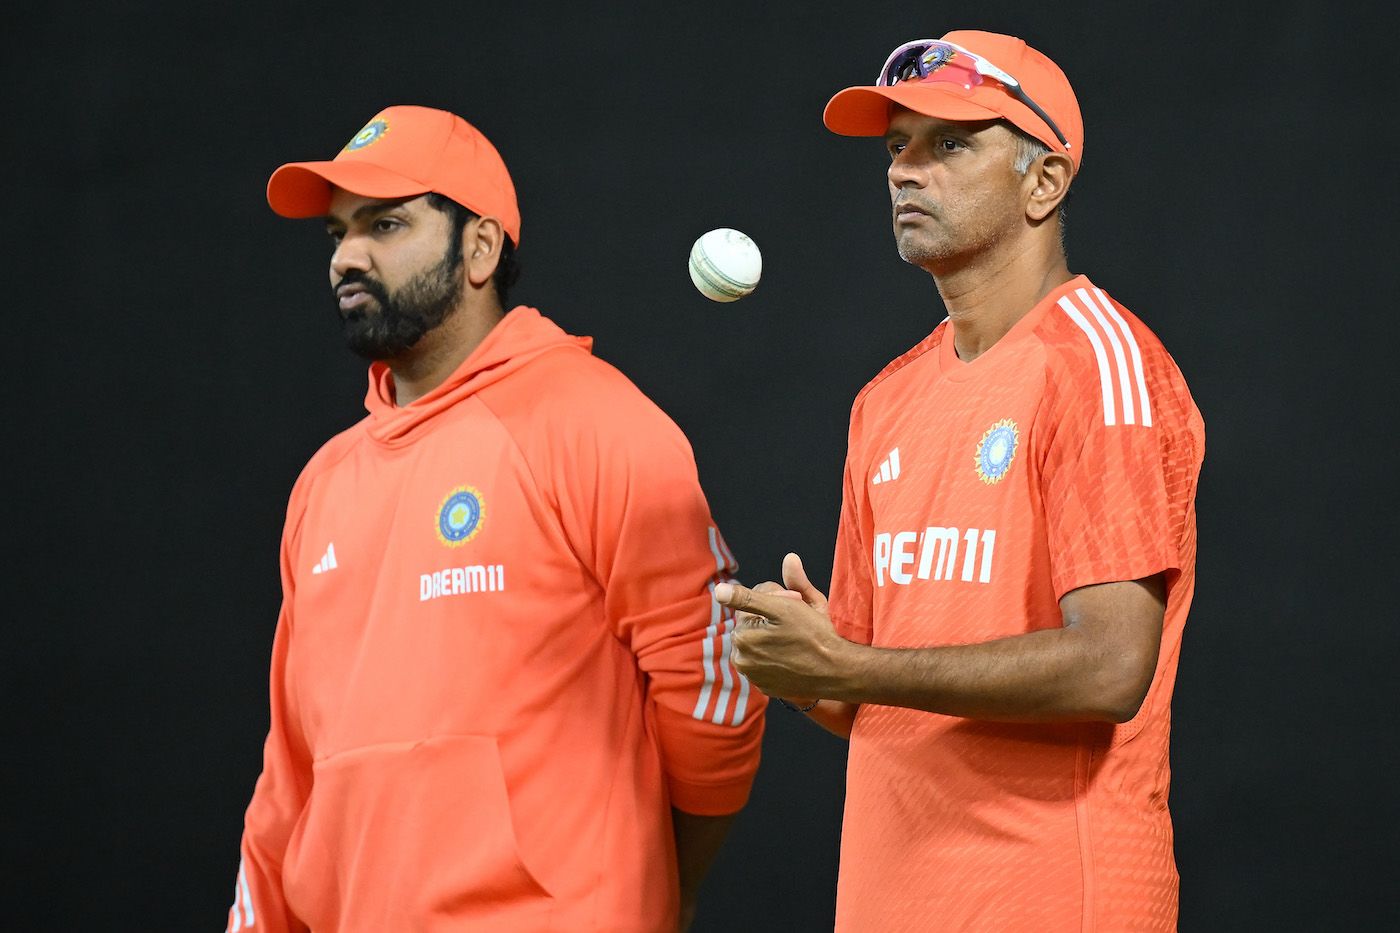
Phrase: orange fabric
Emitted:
{"points": [[401, 152], [498, 663], [1032, 471], [865, 110]]}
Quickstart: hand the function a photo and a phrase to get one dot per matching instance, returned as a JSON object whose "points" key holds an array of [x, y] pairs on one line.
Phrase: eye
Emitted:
{"points": [[895, 148], [949, 144], [336, 236], [386, 225]]}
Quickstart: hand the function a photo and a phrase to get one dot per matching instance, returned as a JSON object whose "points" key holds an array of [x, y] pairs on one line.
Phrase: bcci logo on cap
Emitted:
{"points": [[459, 517], [937, 56], [371, 134], [996, 450]]}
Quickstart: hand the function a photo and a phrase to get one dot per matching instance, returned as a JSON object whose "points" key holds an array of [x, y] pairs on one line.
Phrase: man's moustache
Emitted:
{"points": [[368, 284], [904, 200]]}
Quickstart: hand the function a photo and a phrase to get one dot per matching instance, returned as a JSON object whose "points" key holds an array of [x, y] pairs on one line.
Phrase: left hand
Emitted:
{"points": [[787, 646]]}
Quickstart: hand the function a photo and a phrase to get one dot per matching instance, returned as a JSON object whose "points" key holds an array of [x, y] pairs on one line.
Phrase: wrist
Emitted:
{"points": [[843, 660]]}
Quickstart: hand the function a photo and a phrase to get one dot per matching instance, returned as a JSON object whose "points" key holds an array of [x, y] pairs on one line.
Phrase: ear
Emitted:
{"points": [[481, 249], [1046, 184]]}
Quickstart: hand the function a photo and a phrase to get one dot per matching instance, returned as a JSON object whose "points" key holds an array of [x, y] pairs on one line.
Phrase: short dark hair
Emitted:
{"points": [[507, 270]]}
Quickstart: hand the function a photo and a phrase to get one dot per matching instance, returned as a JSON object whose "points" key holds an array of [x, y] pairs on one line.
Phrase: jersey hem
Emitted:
{"points": [[1068, 582], [710, 799]]}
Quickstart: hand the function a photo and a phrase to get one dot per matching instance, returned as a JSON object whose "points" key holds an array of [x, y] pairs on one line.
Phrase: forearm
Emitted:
{"points": [[1052, 675], [1096, 666], [698, 841]]}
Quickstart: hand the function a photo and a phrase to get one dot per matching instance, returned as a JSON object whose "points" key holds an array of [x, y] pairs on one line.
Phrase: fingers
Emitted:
{"points": [[795, 577], [747, 620], [744, 600], [734, 595]]}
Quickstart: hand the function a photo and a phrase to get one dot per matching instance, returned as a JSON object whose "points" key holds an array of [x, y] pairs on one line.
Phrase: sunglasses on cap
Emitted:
{"points": [[934, 60]]}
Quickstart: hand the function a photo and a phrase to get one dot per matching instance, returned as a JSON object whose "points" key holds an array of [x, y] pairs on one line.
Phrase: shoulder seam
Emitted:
{"points": [[899, 362], [308, 477], [551, 497]]}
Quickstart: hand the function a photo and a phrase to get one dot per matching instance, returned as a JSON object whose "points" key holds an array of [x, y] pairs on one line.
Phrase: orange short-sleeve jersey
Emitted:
{"points": [[976, 496]]}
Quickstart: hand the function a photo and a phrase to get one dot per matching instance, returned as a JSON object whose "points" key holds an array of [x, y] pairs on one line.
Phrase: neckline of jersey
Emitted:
{"points": [[952, 367]]}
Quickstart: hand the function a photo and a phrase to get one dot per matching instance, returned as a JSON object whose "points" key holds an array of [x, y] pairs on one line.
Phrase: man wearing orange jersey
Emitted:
{"points": [[1016, 550], [502, 697]]}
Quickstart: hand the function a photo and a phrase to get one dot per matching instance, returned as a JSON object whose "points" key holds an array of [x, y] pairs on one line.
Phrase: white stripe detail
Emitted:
{"points": [[726, 646], [743, 704], [731, 565], [1105, 379], [722, 624], [714, 549], [237, 921], [711, 631], [884, 471], [330, 557], [247, 897], [1129, 417], [894, 463], [1134, 351]]}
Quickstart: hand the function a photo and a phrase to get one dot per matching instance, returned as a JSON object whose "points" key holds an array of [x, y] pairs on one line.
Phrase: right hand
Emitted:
{"points": [[801, 589]]}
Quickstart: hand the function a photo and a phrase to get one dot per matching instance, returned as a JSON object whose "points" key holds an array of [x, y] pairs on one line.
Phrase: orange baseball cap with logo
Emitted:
{"points": [[967, 75], [405, 151]]}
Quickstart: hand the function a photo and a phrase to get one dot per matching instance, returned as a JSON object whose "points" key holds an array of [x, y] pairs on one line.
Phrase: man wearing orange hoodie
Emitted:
{"points": [[501, 693]]}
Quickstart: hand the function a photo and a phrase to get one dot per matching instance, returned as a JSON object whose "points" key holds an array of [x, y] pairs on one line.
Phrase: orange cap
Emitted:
{"points": [[402, 152], [865, 111]]}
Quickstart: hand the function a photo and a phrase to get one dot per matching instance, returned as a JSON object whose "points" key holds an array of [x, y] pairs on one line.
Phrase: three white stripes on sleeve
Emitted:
{"points": [[721, 628], [1092, 314]]}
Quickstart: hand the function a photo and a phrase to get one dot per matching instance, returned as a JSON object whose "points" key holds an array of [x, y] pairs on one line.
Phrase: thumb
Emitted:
{"points": [[795, 578]]}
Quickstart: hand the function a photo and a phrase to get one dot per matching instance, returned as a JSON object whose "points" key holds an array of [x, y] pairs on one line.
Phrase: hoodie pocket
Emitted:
{"points": [[410, 835]]}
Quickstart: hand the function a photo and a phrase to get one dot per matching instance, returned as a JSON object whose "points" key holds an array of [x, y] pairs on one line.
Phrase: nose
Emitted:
{"points": [[904, 172], [350, 256]]}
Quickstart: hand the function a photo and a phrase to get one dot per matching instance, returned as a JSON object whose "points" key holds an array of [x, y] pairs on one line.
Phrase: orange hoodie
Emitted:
{"points": [[498, 664]]}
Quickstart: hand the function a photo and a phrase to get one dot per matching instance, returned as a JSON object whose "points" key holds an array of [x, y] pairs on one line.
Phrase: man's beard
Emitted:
{"points": [[400, 320]]}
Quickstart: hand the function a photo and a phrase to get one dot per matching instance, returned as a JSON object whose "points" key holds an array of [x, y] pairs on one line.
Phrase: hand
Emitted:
{"points": [[745, 619], [784, 640]]}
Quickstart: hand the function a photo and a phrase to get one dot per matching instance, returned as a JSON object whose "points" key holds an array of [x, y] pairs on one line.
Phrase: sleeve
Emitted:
{"points": [[1117, 490], [852, 596], [635, 510], [279, 796]]}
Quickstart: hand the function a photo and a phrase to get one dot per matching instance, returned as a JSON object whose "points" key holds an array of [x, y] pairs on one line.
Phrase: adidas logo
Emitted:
{"points": [[327, 561], [889, 469]]}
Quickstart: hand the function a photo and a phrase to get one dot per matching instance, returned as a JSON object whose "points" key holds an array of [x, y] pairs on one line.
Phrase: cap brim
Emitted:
{"points": [[303, 189], [865, 111]]}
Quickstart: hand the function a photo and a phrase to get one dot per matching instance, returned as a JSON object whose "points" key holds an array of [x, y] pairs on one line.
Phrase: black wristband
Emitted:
{"points": [[800, 709]]}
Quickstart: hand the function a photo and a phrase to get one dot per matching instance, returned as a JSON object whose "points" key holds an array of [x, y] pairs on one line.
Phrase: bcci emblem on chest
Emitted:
{"points": [[996, 450], [460, 516]]}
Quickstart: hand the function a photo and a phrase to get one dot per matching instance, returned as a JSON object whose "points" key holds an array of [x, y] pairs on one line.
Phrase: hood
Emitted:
{"points": [[521, 335]]}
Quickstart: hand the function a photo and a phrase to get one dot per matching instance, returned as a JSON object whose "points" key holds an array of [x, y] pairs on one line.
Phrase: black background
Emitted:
{"points": [[175, 361]]}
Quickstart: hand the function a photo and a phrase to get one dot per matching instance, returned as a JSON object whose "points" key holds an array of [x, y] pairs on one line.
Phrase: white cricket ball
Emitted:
{"points": [[725, 265]]}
